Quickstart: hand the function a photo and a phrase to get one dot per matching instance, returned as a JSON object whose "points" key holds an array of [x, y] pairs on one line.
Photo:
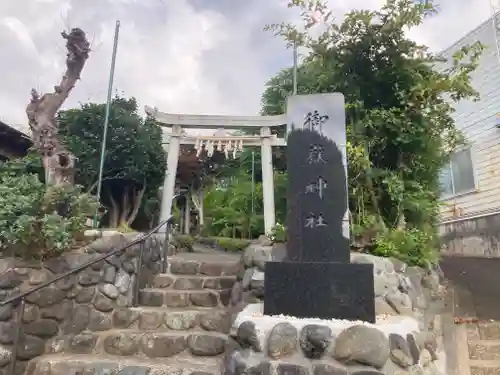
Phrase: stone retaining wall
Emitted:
{"points": [[316, 349], [401, 292], [84, 301]]}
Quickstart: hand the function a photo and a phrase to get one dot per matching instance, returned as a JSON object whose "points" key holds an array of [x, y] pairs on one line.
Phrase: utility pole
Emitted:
{"points": [[253, 183], [106, 117], [295, 63]]}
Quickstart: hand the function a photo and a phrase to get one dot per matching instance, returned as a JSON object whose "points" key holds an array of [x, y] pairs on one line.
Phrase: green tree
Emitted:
{"points": [[399, 99], [134, 163], [39, 222], [228, 206], [243, 163], [196, 172]]}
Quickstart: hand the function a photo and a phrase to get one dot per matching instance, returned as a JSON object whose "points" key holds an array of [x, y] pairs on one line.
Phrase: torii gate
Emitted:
{"points": [[178, 122]]}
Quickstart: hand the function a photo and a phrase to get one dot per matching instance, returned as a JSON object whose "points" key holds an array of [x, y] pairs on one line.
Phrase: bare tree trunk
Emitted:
{"points": [[187, 213], [114, 214], [197, 198], [125, 209], [126, 212], [181, 220], [58, 162], [201, 210], [137, 200]]}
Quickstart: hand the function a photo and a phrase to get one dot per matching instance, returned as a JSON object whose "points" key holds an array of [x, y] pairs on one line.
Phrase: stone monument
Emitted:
{"points": [[317, 279]]}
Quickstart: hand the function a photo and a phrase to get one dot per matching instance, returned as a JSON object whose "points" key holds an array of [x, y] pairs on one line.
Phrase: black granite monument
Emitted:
{"points": [[317, 279]]}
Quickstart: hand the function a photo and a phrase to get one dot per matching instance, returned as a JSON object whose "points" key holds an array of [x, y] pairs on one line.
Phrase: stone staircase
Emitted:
{"points": [[477, 341], [484, 348], [180, 327]]}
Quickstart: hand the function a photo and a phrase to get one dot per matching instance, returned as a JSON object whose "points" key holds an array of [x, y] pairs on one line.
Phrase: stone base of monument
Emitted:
{"points": [[287, 345], [320, 290]]}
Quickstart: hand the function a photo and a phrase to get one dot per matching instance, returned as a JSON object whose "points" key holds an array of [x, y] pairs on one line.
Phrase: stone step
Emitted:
{"points": [[186, 282], [488, 350], [184, 298], [152, 318], [146, 344], [489, 330], [64, 364], [482, 367], [205, 267]]}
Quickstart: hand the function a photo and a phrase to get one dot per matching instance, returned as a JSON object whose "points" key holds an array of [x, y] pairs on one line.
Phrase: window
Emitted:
{"points": [[458, 176]]}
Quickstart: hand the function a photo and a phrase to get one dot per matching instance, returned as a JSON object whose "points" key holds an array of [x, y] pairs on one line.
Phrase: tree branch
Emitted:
{"points": [[114, 214], [137, 204], [125, 205]]}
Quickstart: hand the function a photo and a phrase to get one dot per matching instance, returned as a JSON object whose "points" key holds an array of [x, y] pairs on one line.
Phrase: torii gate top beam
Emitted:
{"points": [[215, 121]]}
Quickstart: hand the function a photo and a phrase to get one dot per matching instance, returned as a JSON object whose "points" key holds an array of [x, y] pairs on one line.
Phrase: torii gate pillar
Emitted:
{"points": [[170, 174], [267, 179]]}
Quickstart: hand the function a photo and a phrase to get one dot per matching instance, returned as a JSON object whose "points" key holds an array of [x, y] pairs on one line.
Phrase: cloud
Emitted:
{"points": [[21, 32], [193, 56]]}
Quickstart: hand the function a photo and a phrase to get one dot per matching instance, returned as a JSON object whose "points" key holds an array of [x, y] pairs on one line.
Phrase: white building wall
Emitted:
{"points": [[478, 122]]}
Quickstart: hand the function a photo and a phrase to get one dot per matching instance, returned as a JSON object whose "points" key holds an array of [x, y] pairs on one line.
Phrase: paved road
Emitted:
{"points": [[476, 282]]}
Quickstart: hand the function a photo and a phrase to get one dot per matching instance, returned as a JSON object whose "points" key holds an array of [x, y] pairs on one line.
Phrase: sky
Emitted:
{"points": [[181, 56]]}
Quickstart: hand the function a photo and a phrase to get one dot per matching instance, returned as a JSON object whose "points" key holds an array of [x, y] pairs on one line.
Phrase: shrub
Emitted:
{"points": [[277, 233], [412, 246], [206, 241], [184, 242], [39, 222], [232, 244]]}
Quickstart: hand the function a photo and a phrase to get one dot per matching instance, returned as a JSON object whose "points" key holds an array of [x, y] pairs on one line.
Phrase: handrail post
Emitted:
{"points": [[17, 336], [166, 249], [135, 301]]}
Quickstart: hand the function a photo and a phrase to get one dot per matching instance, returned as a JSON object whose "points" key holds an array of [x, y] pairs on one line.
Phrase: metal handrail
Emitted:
{"points": [[86, 265], [21, 297]]}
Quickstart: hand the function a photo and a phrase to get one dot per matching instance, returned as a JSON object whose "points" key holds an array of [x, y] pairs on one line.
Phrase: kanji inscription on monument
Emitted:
{"points": [[317, 278], [325, 114], [317, 199], [317, 187], [315, 155], [314, 121]]}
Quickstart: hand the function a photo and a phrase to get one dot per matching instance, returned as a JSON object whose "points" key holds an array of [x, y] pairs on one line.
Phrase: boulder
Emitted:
{"points": [[362, 344]]}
